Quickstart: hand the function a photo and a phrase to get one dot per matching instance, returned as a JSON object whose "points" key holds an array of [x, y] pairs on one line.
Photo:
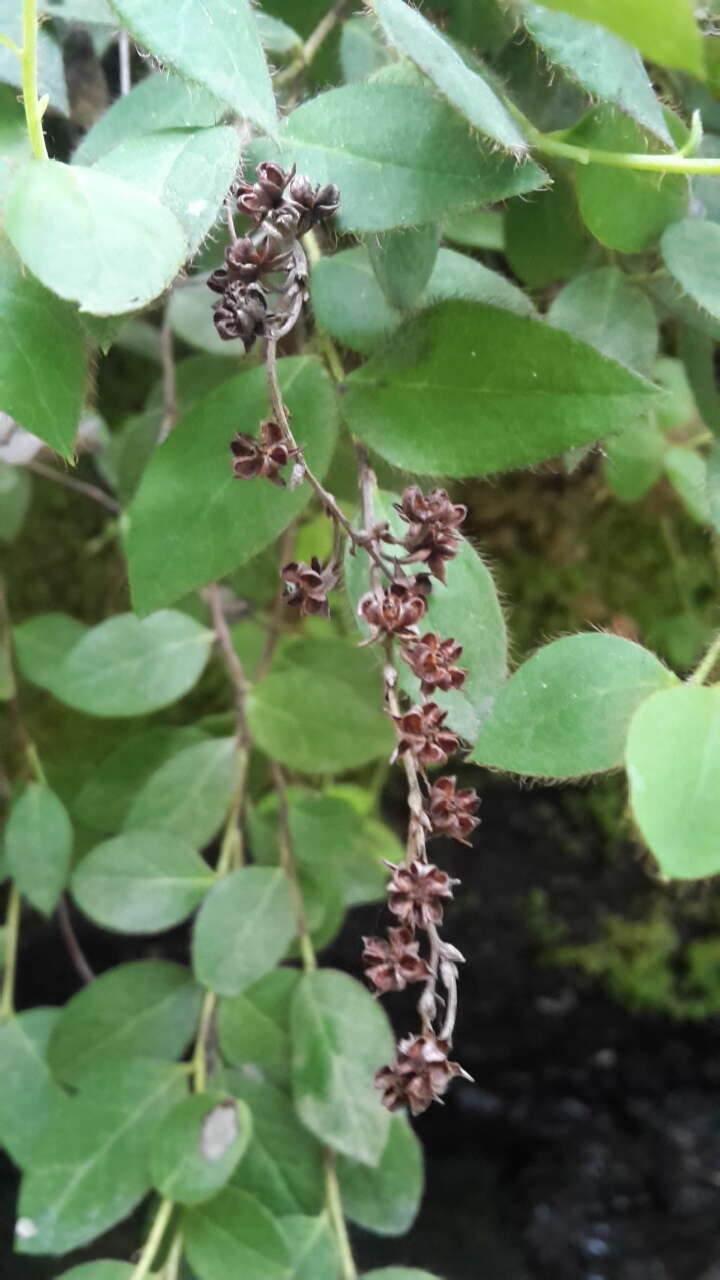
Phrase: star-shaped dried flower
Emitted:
{"points": [[394, 610], [433, 536], [433, 660], [391, 965], [307, 586], [452, 812], [419, 1075], [420, 731], [264, 456], [416, 892]]}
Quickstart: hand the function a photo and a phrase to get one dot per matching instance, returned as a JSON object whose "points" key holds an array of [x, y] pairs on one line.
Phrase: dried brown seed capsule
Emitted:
{"points": [[246, 262], [452, 812], [419, 1075], [394, 611], [416, 892], [264, 456], [258, 198], [311, 204], [420, 731], [391, 965], [307, 585], [241, 313], [433, 660], [433, 536]]}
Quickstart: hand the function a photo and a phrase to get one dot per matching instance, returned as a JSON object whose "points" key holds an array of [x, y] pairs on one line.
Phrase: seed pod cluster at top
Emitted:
{"points": [[263, 282]]}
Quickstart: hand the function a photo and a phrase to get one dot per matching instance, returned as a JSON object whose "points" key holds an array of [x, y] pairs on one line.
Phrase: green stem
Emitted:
{"points": [[333, 1200], [199, 1062], [172, 1266], [154, 1240], [652, 163], [12, 937], [705, 667], [33, 113], [231, 849]]}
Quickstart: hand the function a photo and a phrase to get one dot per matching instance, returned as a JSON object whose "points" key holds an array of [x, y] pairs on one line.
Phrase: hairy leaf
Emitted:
{"points": [[663, 30], [113, 249], [160, 101], [602, 309], [515, 391], [566, 711], [690, 251]]}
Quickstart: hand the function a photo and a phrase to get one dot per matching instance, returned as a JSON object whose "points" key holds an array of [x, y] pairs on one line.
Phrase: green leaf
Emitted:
{"points": [[633, 459], [566, 711], [243, 929], [160, 101], [673, 766], [148, 1008], [399, 155], [340, 1038], [15, 495], [698, 354], [104, 1270], [113, 249], [189, 794], [283, 1165], [292, 713], [84, 11], [625, 209], [45, 397], [608, 68], [327, 837], [254, 1027], [276, 36], [29, 1093], [235, 1235], [90, 1165], [412, 35], [479, 229], [38, 846], [191, 520], [385, 1199], [350, 304], [128, 667], [690, 251], [544, 236], [43, 643], [466, 608], [104, 800], [713, 490], [687, 472], [215, 46], [141, 882], [663, 30], [312, 1247], [361, 51], [602, 309], [187, 170], [403, 261], [515, 390], [197, 1145]]}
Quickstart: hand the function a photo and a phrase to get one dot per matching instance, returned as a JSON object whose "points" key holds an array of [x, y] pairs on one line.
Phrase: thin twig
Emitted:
{"points": [[169, 381], [313, 43], [274, 628], [91, 491], [75, 951], [287, 862], [230, 657]]}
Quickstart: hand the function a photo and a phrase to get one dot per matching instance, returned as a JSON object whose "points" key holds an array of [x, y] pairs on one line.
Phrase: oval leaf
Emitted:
{"points": [[113, 249], [292, 713], [515, 390], [197, 1145], [673, 765], [38, 846], [340, 1038], [189, 794], [141, 882], [160, 101], [191, 520], [128, 667], [690, 250], [663, 30], [217, 46], [90, 1166], [283, 1165], [602, 309], [243, 929], [566, 711], [235, 1235], [145, 1009], [29, 1092], [385, 1199], [43, 396], [399, 155]]}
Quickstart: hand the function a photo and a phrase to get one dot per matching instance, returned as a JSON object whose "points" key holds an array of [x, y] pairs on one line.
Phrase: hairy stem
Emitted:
{"points": [[675, 162], [708, 663], [28, 59]]}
